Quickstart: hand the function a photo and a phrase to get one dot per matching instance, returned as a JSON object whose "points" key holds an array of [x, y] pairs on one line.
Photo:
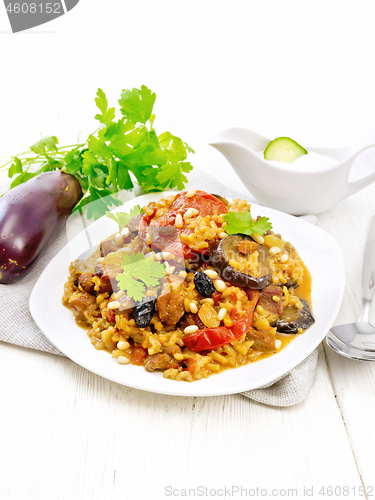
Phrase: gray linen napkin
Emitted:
{"points": [[288, 390]]}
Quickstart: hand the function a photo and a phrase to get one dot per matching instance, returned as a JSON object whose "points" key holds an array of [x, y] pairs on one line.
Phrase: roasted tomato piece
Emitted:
{"points": [[206, 203], [138, 355], [213, 338]]}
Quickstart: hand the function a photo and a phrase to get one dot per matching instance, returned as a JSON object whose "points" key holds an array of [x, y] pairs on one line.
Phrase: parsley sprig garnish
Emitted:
{"points": [[123, 218], [139, 272], [243, 223], [120, 153]]}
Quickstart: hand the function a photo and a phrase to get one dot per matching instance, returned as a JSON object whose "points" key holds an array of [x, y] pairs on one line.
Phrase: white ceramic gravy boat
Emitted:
{"points": [[310, 190]]}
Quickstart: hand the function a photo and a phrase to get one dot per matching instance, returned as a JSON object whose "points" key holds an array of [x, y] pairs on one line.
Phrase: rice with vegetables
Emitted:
{"points": [[190, 287]]}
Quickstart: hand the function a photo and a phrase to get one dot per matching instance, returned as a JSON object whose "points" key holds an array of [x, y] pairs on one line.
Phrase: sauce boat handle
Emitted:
{"points": [[353, 187]]}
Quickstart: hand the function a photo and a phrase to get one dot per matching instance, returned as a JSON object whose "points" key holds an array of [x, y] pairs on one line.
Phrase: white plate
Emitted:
{"points": [[318, 250]]}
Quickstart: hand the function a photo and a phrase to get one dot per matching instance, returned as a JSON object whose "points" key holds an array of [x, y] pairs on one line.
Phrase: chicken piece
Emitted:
{"points": [[267, 301], [162, 361], [83, 305], [86, 283], [263, 340], [133, 224], [170, 304]]}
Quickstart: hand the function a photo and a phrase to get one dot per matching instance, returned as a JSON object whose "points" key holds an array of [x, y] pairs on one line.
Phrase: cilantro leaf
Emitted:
{"points": [[136, 105], [48, 143], [242, 223], [139, 273], [123, 218]]}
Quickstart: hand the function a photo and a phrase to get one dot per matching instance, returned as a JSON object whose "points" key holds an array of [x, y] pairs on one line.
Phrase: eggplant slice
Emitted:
{"points": [[227, 250], [292, 319]]}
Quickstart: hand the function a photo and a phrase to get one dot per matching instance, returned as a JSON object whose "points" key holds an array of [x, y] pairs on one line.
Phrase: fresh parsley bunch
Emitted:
{"points": [[121, 152]]}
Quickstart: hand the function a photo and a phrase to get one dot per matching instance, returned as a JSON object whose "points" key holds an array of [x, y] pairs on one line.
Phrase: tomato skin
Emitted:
{"points": [[213, 338], [138, 355]]}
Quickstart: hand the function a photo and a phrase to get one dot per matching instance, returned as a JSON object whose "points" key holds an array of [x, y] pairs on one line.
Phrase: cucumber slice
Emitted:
{"points": [[284, 149]]}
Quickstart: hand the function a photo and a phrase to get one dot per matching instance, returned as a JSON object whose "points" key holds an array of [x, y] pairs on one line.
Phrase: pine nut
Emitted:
{"points": [[125, 232], [278, 343], [163, 255], [170, 269], [179, 222], [208, 301], [150, 254], [211, 274], [222, 313], [122, 345], [191, 193], [219, 285], [274, 250], [284, 258], [182, 274], [188, 214], [222, 235], [123, 360], [191, 329], [118, 239], [114, 305], [193, 308], [258, 238]]}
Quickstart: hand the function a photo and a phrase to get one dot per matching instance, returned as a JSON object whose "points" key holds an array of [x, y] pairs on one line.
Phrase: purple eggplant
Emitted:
{"points": [[30, 215], [227, 250]]}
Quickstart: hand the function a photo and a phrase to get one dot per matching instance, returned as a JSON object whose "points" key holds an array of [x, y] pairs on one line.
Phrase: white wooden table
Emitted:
{"points": [[67, 434]]}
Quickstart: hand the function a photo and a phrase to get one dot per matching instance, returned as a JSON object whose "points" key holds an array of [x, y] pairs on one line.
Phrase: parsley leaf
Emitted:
{"points": [[171, 175], [139, 273], [15, 168], [100, 200], [136, 105], [48, 143], [242, 223], [107, 115], [123, 218]]}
